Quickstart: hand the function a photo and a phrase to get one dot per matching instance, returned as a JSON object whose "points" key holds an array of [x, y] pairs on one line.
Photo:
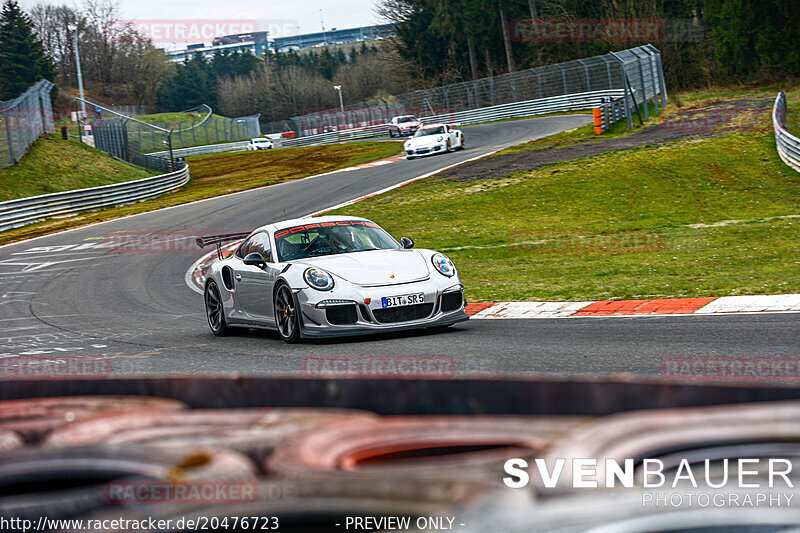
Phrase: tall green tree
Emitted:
{"points": [[22, 58], [194, 83], [751, 35]]}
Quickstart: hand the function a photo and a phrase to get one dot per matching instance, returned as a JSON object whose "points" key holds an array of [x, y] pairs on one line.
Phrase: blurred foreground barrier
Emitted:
{"points": [[67, 482], [583, 395], [623, 511], [316, 503], [696, 434], [254, 432], [788, 145], [463, 446], [34, 418], [17, 213], [9, 440]]}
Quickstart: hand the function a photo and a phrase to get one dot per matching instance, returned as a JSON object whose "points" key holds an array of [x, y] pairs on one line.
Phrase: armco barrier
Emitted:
{"points": [[16, 213], [541, 106], [205, 149], [610, 112], [788, 145]]}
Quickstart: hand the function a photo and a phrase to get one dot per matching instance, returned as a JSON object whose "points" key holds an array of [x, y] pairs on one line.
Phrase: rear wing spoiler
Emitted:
{"points": [[202, 242]]}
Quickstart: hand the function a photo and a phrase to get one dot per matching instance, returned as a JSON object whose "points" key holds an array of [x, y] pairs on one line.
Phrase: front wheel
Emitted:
{"points": [[286, 315], [449, 146], [214, 310]]}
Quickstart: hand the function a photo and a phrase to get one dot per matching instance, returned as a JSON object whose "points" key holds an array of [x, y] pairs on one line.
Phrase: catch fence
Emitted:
{"points": [[637, 73], [23, 120], [152, 144]]}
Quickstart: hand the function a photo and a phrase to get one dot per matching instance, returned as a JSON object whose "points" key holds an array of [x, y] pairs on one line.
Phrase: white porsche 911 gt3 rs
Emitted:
{"points": [[434, 139], [329, 276]]}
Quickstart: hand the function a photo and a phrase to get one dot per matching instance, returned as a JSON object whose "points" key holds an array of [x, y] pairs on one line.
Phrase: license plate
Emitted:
{"points": [[406, 299]]}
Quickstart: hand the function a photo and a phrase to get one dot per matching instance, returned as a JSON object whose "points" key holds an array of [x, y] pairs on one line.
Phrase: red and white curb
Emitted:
{"points": [[195, 279], [655, 307]]}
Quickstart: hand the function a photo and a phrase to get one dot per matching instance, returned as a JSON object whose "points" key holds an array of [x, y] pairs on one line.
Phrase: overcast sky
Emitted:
{"points": [[281, 17]]}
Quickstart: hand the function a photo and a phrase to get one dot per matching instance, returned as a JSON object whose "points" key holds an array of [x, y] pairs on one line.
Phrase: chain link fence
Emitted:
{"points": [[23, 120], [637, 71], [151, 145]]}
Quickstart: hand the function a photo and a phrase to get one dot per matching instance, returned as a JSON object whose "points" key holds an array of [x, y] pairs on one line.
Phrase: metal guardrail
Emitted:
{"points": [[17, 213], [610, 112], [205, 149], [540, 106], [788, 145]]}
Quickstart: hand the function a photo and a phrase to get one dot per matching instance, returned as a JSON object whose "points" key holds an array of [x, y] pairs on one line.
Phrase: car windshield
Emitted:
{"points": [[315, 240], [429, 131], [405, 119]]}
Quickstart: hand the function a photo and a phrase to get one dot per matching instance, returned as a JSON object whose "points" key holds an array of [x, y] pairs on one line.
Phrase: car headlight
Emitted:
{"points": [[443, 265], [318, 279], [439, 138]]}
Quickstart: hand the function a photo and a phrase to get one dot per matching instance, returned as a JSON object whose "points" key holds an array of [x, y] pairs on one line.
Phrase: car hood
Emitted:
{"points": [[428, 140], [374, 267]]}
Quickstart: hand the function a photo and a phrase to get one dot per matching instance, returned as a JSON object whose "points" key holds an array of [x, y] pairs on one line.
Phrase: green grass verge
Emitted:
{"points": [[174, 117], [228, 172], [55, 165], [701, 217], [218, 174]]}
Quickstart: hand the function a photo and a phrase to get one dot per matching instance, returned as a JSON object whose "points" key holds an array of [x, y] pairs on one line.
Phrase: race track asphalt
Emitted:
{"points": [[58, 300]]}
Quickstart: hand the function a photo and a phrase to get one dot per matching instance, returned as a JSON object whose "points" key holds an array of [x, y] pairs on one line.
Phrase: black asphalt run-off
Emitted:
{"points": [[137, 309]]}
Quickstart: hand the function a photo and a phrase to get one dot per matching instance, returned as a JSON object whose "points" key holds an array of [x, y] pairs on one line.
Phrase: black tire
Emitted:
{"points": [[287, 318], [391, 133], [463, 144], [215, 313], [449, 146]]}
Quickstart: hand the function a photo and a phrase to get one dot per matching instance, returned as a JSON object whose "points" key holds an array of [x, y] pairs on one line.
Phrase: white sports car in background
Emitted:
{"points": [[260, 143], [329, 276], [403, 125], [434, 139]]}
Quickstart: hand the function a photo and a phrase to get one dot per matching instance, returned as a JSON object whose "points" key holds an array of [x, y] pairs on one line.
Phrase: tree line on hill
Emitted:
{"points": [[703, 42], [276, 85]]}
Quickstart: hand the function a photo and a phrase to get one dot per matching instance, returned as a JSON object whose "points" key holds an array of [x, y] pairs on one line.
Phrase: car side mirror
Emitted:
{"points": [[254, 259], [406, 243]]}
